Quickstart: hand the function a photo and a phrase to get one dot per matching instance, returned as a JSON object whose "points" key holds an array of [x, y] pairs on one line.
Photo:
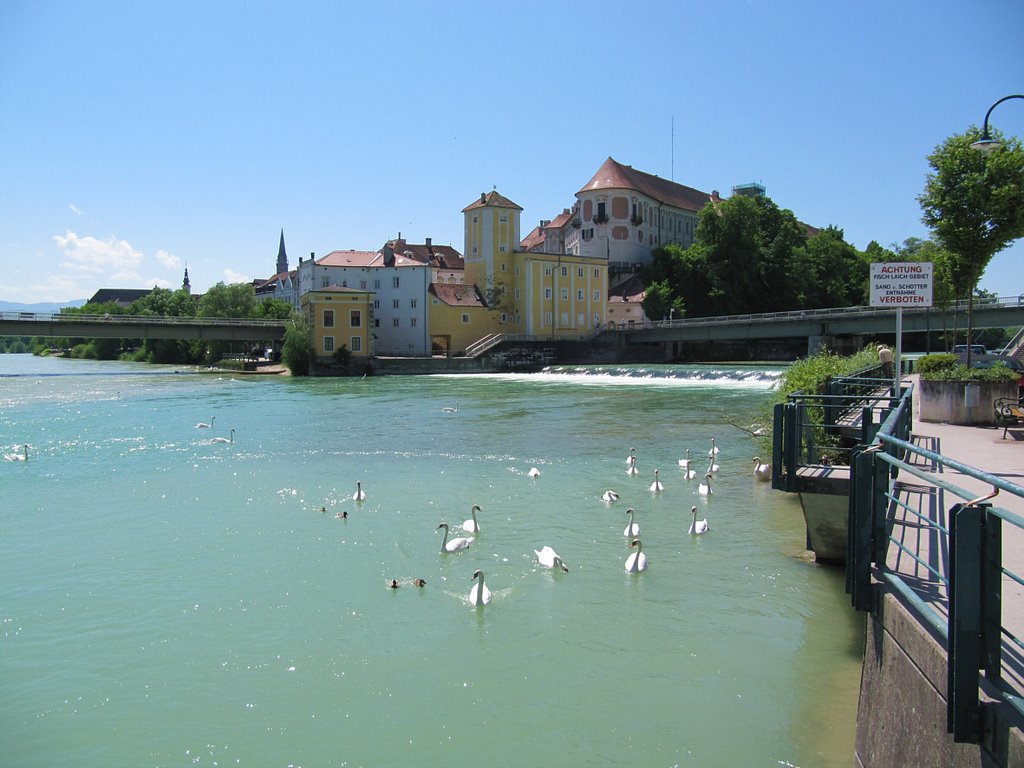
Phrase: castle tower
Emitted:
{"points": [[491, 235], [282, 257]]}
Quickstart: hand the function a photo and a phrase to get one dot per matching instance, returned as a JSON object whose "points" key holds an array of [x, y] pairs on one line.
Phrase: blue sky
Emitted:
{"points": [[138, 137]]}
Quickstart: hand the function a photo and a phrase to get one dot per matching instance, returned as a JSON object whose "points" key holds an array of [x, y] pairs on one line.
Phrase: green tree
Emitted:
{"points": [[974, 204], [235, 300], [274, 309], [297, 349]]}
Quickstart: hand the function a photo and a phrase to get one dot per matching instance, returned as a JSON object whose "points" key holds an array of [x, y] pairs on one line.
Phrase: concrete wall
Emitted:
{"points": [[901, 718]]}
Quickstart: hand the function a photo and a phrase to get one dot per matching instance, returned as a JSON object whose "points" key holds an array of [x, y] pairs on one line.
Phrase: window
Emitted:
{"points": [[503, 265], [565, 271], [376, 323], [517, 270], [376, 303], [394, 322], [504, 317], [394, 281], [412, 303], [579, 271], [376, 285], [579, 294], [565, 319], [355, 319], [328, 318], [601, 216], [580, 320], [565, 294], [356, 343], [465, 318], [503, 217], [502, 248], [547, 320], [323, 282], [517, 293], [412, 322], [597, 320], [362, 285], [547, 293], [328, 343], [547, 269], [597, 295], [395, 303]]}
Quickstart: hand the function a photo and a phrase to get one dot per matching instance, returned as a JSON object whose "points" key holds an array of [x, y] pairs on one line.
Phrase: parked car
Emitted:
{"points": [[990, 361], [976, 349]]}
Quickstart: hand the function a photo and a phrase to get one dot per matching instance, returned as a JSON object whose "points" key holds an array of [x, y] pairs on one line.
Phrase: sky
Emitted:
{"points": [[140, 138]]}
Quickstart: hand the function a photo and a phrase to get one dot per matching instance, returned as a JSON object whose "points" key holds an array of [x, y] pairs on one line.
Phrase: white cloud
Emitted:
{"points": [[75, 209], [230, 276], [87, 254], [159, 282], [168, 260]]}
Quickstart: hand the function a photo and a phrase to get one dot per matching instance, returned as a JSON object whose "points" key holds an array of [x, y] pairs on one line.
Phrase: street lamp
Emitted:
{"points": [[986, 143]]}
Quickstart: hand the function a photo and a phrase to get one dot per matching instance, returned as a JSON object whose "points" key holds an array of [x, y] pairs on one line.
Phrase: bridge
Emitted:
{"points": [[57, 324], [811, 323]]}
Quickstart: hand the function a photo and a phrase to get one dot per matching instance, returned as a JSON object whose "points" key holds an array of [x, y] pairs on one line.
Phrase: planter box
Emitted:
{"points": [[962, 402]]}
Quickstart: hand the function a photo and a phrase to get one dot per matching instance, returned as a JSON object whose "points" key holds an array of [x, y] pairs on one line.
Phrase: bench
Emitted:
{"points": [[1008, 412]]}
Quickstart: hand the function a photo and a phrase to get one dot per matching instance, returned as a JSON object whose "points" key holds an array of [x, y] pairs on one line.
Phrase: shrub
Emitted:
{"points": [[932, 363]]}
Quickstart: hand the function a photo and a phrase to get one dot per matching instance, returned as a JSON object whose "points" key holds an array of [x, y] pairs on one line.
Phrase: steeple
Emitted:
{"points": [[185, 285], [282, 257]]}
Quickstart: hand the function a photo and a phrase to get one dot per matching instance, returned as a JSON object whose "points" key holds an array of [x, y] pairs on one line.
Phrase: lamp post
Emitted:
{"points": [[986, 143]]}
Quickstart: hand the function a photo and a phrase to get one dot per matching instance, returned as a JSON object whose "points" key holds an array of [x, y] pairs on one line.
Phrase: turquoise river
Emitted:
{"points": [[167, 600]]}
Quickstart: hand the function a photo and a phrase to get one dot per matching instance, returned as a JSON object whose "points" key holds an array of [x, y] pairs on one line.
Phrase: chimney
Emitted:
{"points": [[428, 242], [714, 195], [483, 197], [311, 255]]}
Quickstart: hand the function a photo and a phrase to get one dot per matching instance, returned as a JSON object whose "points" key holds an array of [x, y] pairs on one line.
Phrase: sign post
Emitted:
{"points": [[899, 284]]}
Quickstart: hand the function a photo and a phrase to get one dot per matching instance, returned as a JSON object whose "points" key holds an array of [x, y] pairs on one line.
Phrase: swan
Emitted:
{"points": [[224, 439], [656, 486], [685, 463], [455, 544], [479, 595], [631, 459], [704, 489], [471, 525], [697, 527], [712, 465], [632, 467], [609, 496], [23, 456], [638, 560], [714, 449], [449, 409], [534, 472], [633, 529], [762, 472], [549, 558], [360, 494], [689, 473], [204, 425]]}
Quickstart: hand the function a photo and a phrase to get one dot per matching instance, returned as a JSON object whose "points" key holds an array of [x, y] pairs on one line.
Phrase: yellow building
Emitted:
{"points": [[458, 316], [340, 317]]}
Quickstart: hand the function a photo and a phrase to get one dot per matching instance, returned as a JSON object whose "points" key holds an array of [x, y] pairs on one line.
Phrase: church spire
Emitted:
{"points": [[282, 257], [186, 286]]}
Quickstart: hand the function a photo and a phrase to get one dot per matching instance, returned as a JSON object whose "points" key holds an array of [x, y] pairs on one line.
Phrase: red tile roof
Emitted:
{"points": [[614, 175], [492, 199], [347, 259], [438, 256], [630, 291], [532, 240], [458, 295]]}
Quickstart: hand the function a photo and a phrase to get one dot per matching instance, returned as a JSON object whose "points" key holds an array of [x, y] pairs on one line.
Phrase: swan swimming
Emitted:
{"points": [[697, 527], [762, 472], [471, 525], [638, 560], [704, 489], [449, 409], [632, 470], [224, 439], [360, 494], [656, 486], [714, 449], [609, 496], [685, 463], [479, 595], [689, 473], [23, 456], [454, 545], [534, 472], [632, 456], [204, 425], [633, 529], [712, 465], [547, 557]]}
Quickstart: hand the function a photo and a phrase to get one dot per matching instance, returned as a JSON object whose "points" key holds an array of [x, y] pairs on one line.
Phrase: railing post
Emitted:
{"points": [[858, 545], [963, 718], [992, 593]]}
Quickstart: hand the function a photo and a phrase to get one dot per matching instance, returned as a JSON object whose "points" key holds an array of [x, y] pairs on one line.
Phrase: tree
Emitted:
{"points": [[297, 350], [974, 204], [274, 309], [235, 300]]}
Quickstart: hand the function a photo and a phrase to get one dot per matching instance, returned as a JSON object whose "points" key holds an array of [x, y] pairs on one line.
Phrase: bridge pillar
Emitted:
{"points": [[817, 343]]}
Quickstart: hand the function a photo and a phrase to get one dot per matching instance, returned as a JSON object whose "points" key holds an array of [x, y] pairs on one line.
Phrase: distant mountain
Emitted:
{"points": [[14, 306]]}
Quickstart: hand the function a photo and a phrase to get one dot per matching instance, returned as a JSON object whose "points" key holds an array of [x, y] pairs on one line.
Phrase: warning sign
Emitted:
{"points": [[901, 284]]}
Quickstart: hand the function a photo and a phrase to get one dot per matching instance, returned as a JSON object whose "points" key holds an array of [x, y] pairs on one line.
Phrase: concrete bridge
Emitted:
{"points": [[139, 327]]}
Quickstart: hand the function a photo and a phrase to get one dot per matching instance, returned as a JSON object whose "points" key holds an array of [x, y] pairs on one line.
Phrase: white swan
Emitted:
{"points": [[455, 544], [549, 558], [685, 463], [631, 459], [714, 448], [712, 465], [204, 425], [471, 525], [632, 470], [762, 472], [609, 496], [23, 456], [534, 472], [360, 494], [704, 489], [224, 439], [697, 527], [633, 529], [638, 560], [656, 486], [449, 409], [479, 595], [689, 473]]}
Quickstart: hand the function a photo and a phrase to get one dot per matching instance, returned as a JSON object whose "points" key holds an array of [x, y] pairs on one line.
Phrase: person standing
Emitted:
{"points": [[885, 358]]}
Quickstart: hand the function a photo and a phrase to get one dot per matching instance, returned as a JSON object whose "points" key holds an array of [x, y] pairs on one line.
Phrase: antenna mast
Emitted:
{"points": [[673, 169]]}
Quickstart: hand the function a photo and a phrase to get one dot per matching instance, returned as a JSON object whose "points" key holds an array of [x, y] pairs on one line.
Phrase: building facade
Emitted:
{"points": [[339, 317]]}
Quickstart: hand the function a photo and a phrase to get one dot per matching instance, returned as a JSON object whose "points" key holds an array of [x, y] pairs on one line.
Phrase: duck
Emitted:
{"points": [[632, 470], [609, 496], [547, 557], [360, 494], [343, 515], [656, 486], [704, 489], [685, 463], [471, 525], [534, 472], [638, 560], [633, 529], [762, 472], [224, 439], [419, 582], [453, 545], [697, 527], [479, 595], [204, 425], [714, 449], [23, 456], [393, 584]]}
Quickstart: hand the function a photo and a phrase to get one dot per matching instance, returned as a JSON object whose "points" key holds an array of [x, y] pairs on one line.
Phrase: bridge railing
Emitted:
{"points": [[940, 549], [51, 317]]}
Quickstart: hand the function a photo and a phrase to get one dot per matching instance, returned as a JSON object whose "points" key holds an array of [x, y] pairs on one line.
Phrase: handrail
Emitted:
{"points": [[945, 561], [50, 317]]}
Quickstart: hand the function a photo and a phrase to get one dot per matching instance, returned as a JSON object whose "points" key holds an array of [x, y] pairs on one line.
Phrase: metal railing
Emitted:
{"points": [[946, 561], [58, 317]]}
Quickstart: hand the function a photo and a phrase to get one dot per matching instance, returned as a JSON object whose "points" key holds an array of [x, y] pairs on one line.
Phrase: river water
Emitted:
{"points": [[169, 601]]}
